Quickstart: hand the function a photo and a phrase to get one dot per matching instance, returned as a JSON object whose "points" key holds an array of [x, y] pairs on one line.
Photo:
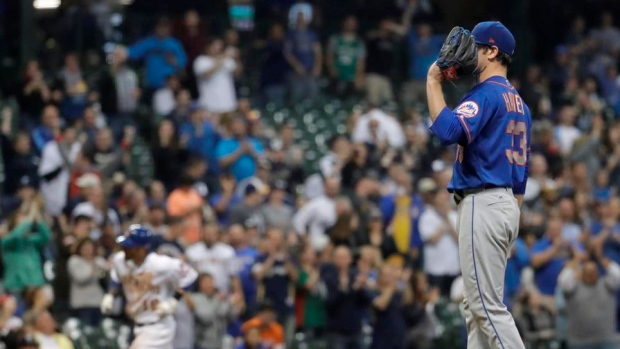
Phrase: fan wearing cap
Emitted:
{"points": [[152, 285], [491, 128]]}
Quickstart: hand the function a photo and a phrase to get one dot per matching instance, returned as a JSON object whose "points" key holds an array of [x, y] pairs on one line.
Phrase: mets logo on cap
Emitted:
{"points": [[467, 109]]}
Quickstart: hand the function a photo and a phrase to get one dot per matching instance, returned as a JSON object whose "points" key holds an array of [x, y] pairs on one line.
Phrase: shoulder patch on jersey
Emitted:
{"points": [[467, 109]]}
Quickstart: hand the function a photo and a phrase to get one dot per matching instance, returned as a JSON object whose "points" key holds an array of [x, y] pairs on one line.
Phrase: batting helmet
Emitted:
{"points": [[137, 236]]}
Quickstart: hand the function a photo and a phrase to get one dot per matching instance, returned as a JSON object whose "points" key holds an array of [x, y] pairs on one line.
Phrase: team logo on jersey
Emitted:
{"points": [[467, 109]]}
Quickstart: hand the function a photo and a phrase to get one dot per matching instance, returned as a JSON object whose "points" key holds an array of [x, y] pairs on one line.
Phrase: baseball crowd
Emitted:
{"points": [[357, 254]]}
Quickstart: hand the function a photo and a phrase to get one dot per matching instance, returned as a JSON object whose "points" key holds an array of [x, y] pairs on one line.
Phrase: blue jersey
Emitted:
{"points": [[491, 126]]}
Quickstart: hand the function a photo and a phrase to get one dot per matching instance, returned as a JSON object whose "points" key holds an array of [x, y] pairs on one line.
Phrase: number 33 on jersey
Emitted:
{"points": [[491, 126]]}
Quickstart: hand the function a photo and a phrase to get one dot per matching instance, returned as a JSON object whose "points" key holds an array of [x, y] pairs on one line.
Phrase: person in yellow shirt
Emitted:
{"points": [[43, 327]]}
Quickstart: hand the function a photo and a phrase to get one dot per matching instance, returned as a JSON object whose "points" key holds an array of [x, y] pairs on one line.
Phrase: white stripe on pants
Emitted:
{"points": [[488, 224]]}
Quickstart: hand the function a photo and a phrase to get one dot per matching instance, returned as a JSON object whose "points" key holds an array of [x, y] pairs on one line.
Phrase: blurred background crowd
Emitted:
{"points": [[281, 147]]}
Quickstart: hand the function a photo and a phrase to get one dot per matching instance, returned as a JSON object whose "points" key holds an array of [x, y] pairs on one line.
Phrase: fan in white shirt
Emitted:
{"points": [[215, 74], [319, 214], [216, 258], [566, 133], [437, 227]]}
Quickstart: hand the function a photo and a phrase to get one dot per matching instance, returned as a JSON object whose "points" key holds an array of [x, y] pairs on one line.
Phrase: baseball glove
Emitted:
{"points": [[458, 56]]}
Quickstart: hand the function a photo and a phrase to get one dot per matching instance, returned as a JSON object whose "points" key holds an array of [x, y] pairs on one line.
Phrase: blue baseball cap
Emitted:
{"points": [[494, 33], [138, 236]]}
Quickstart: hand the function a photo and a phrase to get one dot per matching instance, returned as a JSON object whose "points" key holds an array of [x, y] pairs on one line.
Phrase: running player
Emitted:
{"points": [[152, 285]]}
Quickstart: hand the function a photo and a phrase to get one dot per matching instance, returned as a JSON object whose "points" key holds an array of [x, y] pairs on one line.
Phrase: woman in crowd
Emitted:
{"points": [[86, 271]]}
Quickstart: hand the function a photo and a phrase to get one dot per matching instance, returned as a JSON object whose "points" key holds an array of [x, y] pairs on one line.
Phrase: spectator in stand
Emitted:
{"points": [[300, 6], [347, 301], [214, 257], [419, 312], [303, 52], [33, 95], [164, 100], [185, 202], [215, 71], [591, 303], [389, 327], [107, 157], [274, 67], [136, 209], [57, 159], [248, 210], [607, 36], [339, 153], [71, 90], [49, 130], [9, 322], [559, 73], [346, 59], [157, 220], [550, 254], [22, 242], [120, 93], [44, 327], [565, 133], [605, 230], [518, 260], [437, 226], [182, 109], [252, 339], [274, 272], [318, 215], [169, 155], [98, 209], [271, 333], [65, 242], [83, 177], [239, 153], [212, 312], [20, 161], [87, 270], [309, 295], [246, 257], [422, 49], [231, 48], [382, 52], [193, 36], [275, 211], [200, 136], [532, 89], [171, 243], [401, 211], [163, 56], [89, 124], [226, 199], [536, 315], [357, 167]]}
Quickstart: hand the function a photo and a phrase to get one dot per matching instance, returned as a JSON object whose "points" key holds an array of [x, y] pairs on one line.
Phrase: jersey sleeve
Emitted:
{"points": [[181, 274], [116, 259], [465, 122], [114, 276]]}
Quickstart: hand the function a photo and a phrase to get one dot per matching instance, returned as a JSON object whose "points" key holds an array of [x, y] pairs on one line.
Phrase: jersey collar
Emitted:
{"points": [[498, 80]]}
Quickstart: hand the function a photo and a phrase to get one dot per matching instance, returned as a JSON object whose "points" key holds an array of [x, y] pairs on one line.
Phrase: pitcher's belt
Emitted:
{"points": [[461, 194]]}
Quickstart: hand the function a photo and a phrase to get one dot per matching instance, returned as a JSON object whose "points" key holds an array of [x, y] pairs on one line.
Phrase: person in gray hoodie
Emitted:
{"points": [[212, 313], [86, 270], [591, 303]]}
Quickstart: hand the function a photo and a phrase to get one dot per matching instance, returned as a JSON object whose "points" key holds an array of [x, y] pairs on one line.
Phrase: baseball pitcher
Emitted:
{"points": [[152, 285], [491, 127]]}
